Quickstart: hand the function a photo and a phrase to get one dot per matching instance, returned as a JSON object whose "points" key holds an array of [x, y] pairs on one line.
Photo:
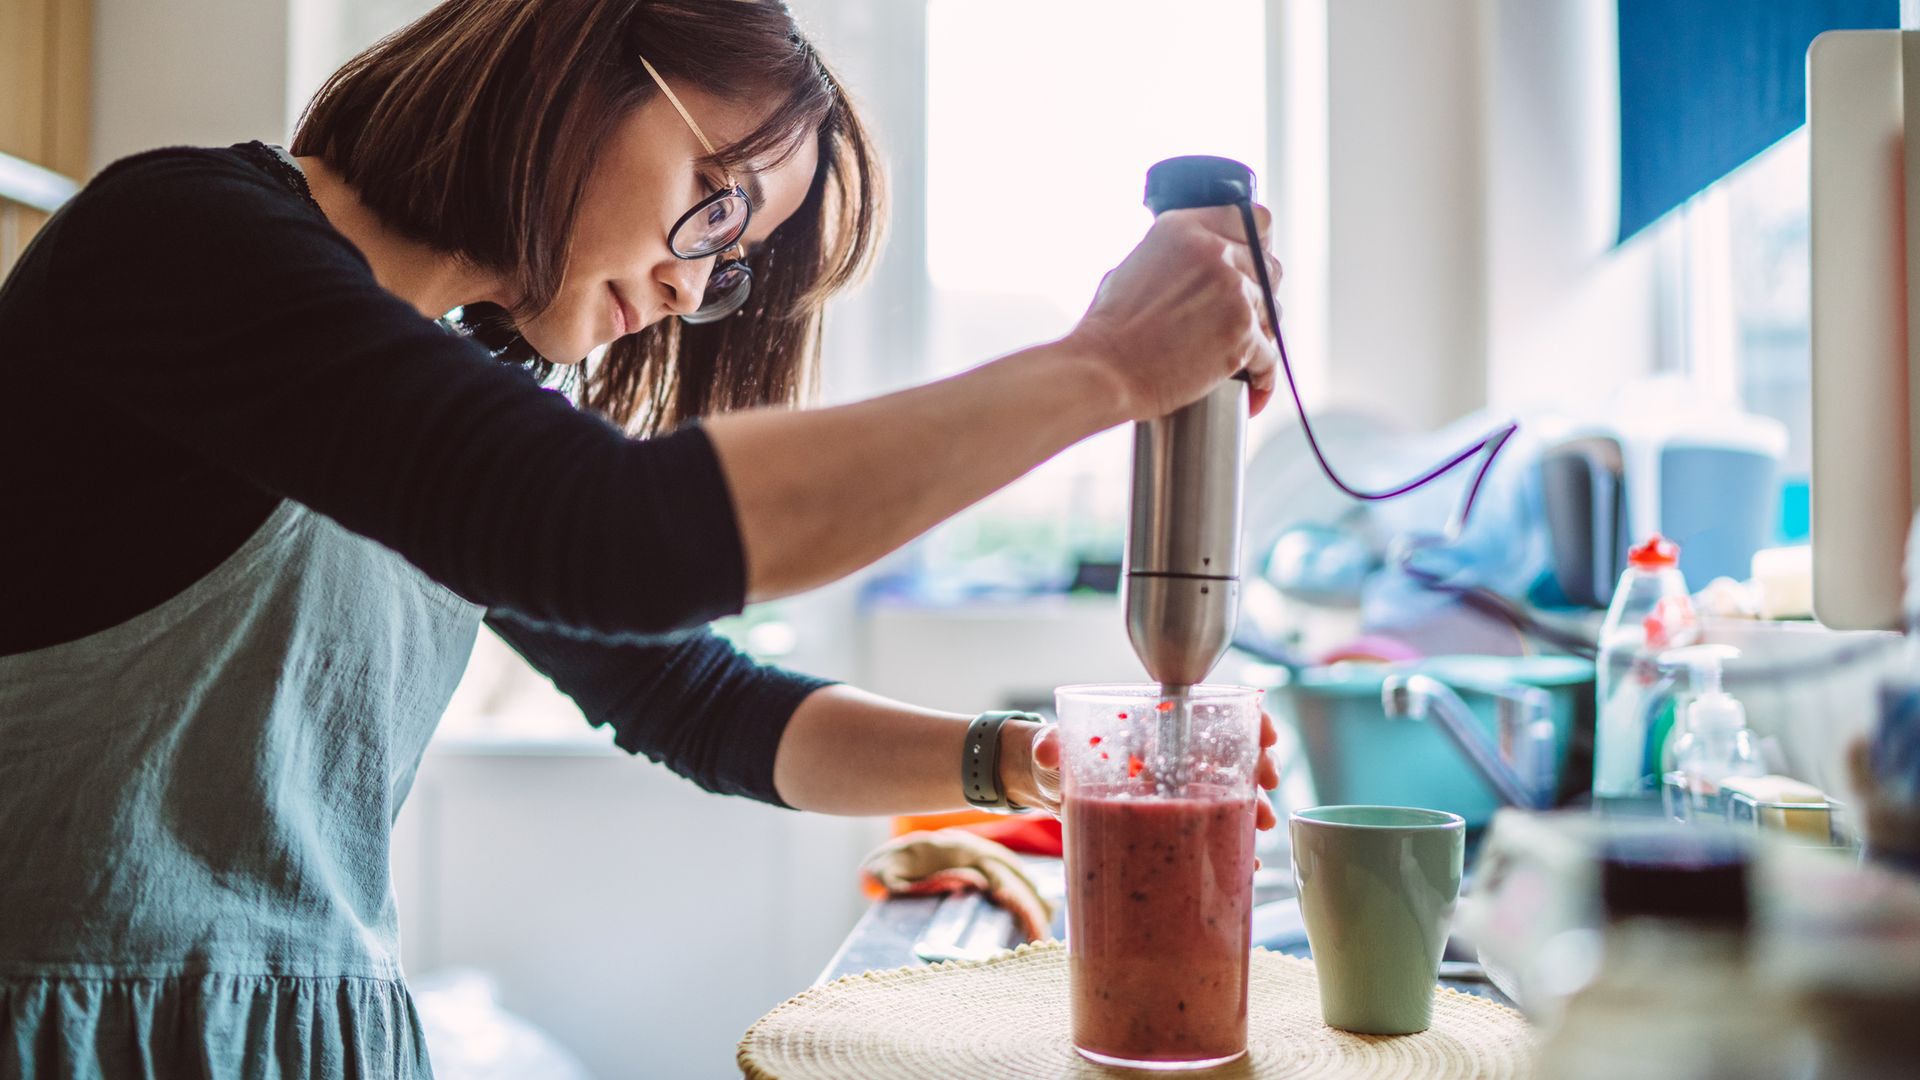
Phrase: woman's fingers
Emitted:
{"points": [[1257, 402], [1266, 774], [1045, 764], [1046, 748], [1242, 260], [1225, 222], [1261, 358]]}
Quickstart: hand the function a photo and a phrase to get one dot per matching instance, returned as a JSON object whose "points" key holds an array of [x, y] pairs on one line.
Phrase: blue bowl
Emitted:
{"points": [[1357, 754]]}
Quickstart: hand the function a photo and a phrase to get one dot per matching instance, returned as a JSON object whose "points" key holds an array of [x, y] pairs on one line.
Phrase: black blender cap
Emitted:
{"points": [[1692, 877]]}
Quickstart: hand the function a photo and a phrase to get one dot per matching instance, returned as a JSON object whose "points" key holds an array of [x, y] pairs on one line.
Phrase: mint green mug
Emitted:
{"points": [[1377, 888]]}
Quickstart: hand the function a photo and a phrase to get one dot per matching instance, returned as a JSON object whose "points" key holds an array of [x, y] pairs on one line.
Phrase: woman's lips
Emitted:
{"points": [[626, 320]]}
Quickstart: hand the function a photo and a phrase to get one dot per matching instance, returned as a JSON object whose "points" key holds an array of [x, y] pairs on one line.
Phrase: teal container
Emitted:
{"points": [[1358, 754]]}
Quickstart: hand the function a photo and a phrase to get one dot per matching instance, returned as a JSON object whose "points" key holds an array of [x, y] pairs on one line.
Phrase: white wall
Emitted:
{"points": [[876, 333], [1406, 217], [996, 655], [1469, 150], [214, 72], [187, 72], [1297, 176], [325, 34], [1570, 316]]}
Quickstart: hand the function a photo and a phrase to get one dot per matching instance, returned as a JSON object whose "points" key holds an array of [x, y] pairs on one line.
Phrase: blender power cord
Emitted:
{"points": [[1488, 446], [1490, 443]]}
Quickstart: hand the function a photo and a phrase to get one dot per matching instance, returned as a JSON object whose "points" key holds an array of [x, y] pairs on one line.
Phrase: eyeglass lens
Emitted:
{"points": [[727, 292], [712, 227]]}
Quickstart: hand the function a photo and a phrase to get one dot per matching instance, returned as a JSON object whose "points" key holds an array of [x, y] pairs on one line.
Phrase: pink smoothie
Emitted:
{"points": [[1159, 903]]}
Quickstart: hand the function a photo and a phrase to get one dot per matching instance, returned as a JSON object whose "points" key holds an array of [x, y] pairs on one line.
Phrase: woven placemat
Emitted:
{"points": [[1007, 1016]]}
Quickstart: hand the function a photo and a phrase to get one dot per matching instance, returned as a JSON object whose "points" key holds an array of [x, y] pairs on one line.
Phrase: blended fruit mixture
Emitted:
{"points": [[1159, 923]]}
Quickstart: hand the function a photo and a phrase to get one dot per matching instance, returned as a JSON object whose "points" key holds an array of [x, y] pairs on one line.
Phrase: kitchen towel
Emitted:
{"points": [[954, 860]]}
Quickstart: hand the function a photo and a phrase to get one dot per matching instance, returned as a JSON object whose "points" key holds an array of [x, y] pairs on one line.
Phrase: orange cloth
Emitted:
{"points": [[911, 823], [1028, 834]]}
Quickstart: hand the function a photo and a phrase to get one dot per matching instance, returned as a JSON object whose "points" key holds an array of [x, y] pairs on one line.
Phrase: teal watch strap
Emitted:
{"points": [[980, 760]]}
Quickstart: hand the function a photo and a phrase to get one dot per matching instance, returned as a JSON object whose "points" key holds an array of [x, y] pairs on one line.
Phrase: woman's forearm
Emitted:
{"points": [[821, 493], [818, 494], [845, 751], [850, 752]]}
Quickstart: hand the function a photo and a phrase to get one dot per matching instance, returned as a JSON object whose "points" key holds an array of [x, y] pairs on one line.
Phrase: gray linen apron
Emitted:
{"points": [[195, 808]]}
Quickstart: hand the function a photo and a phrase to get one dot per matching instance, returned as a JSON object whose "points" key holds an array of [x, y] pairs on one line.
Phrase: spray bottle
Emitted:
{"points": [[1716, 745]]}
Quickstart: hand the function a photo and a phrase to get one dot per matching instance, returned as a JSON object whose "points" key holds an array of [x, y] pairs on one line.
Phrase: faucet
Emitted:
{"points": [[1520, 766]]}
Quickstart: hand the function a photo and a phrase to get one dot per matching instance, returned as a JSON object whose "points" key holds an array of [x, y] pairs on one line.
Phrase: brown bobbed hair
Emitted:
{"points": [[474, 129]]}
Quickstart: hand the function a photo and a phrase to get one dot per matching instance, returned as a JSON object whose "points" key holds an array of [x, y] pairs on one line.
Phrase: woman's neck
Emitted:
{"points": [[432, 281]]}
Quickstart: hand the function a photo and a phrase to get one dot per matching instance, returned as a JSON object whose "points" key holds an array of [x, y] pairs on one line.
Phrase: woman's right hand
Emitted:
{"points": [[1183, 312]]}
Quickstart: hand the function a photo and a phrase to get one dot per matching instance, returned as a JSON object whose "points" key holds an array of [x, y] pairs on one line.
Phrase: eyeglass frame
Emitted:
{"points": [[732, 190]]}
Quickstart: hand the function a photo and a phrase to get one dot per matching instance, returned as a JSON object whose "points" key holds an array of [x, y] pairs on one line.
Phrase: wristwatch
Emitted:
{"points": [[980, 760]]}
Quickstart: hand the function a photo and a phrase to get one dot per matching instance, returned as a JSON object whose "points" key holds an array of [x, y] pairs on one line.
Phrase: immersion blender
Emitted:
{"points": [[1182, 591], [1183, 545]]}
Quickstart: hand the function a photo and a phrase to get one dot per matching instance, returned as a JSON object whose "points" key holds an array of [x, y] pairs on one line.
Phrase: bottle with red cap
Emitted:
{"points": [[1651, 613]]}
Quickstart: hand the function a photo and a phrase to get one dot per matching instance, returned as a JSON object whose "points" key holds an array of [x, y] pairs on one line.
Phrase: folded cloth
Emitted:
{"points": [[951, 861]]}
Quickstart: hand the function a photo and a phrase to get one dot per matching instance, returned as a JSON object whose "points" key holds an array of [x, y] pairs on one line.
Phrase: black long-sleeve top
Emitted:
{"points": [[189, 341]]}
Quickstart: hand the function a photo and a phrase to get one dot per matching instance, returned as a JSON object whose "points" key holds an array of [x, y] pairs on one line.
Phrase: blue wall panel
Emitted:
{"points": [[1707, 84]]}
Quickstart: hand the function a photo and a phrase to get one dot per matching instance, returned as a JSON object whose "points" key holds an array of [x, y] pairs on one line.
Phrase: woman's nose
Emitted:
{"points": [[683, 284]]}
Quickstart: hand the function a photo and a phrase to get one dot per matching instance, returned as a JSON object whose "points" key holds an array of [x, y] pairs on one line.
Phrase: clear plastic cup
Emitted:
{"points": [[1159, 862]]}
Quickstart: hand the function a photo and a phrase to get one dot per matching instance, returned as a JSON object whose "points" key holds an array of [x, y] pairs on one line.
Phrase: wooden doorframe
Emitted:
{"points": [[46, 69]]}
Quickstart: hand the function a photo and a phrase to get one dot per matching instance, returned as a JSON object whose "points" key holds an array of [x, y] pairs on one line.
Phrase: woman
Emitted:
{"points": [[266, 501]]}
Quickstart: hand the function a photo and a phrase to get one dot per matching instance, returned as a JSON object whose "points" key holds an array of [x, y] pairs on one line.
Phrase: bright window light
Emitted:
{"points": [[1772, 287], [1042, 119], [1748, 298]]}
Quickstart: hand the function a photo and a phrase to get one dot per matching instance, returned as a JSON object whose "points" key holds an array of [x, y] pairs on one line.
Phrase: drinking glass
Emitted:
{"points": [[1158, 801]]}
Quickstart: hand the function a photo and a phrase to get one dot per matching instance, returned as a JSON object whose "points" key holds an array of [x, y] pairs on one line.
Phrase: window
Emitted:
{"points": [[1042, 120], [1747, 302], [1770, 268]]}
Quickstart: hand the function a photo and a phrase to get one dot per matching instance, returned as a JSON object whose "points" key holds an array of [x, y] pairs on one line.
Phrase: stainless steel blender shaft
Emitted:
{"points": [[1183, 544]]}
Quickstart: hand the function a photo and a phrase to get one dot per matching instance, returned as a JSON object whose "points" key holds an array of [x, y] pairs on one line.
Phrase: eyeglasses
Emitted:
{"points": [[713, 227]]}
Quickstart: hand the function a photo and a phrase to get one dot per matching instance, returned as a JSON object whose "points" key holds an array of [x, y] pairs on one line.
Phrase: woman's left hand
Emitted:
{"points": [[1030, 768]]}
